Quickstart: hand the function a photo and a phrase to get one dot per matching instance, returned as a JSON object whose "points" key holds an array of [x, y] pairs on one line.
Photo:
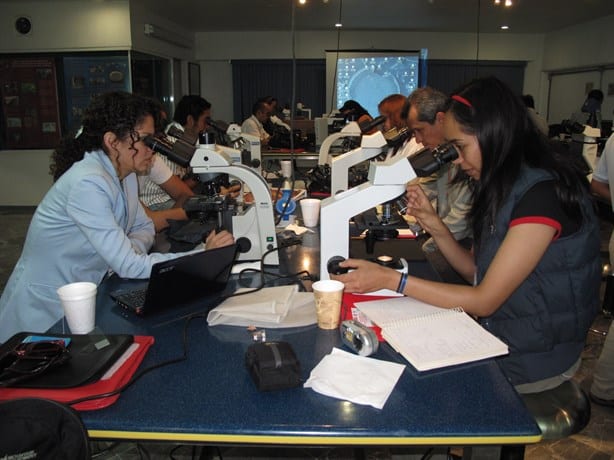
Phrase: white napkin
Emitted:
{"points": [[274, 307], [355, 378], [299, 230]]}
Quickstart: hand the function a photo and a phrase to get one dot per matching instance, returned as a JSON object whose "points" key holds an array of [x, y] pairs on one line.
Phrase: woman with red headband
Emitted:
{"points": [[534, 269]]}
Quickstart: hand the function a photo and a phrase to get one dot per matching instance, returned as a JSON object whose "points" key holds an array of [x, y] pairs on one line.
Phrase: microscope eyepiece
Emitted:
{"points": [[367, 126], [179, 152], [428, 161], [395, 137], [218, 125]]}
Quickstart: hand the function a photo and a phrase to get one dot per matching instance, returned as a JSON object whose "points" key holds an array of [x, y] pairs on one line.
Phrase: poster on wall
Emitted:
{"points": [[30, 113], [88, 76]]}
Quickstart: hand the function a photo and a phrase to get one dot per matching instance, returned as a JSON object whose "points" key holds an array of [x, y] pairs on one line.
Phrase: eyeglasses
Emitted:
{"points": [[28, 360]]}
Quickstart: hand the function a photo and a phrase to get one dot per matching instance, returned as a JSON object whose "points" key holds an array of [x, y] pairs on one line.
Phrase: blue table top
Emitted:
{"points": [[210, 397]]}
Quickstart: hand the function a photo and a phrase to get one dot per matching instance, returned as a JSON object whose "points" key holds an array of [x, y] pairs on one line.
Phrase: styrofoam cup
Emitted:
{"points": [[79, 304], [310, 210], [286, 168], [328, 295]]}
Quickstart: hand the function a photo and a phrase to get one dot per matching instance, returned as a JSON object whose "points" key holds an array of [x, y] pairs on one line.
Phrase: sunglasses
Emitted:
{"points": [[31, 359]]}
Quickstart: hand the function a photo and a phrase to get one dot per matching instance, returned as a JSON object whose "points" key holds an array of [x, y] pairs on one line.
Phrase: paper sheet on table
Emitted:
{"points": [[354, 378], [274, 307]]}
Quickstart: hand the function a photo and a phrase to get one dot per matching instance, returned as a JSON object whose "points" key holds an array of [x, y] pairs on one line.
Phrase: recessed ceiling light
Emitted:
{"points": [[302, 2], [505, 27]]}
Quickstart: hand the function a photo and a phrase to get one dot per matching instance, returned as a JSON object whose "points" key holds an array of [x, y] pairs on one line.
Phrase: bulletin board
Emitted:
{"points": [[30, 110], [88, 76]]}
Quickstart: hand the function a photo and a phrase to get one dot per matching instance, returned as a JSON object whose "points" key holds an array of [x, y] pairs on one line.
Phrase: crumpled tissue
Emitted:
{"points": [[299, 230]]}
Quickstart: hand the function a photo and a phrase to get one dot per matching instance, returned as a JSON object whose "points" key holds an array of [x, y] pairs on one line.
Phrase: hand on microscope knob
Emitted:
{"points": [[333, 266]]}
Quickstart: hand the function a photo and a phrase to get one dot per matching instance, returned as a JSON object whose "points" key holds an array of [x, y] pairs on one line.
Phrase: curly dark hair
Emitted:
{"points": [[116, 112]]}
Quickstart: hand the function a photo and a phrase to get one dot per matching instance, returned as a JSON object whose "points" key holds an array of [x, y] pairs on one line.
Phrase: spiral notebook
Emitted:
{"points": [[430, 337]]}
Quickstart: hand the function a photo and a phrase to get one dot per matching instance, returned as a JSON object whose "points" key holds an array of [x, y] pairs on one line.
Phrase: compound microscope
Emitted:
{"points": [[230, 135], [252, 224], [386, 183]]}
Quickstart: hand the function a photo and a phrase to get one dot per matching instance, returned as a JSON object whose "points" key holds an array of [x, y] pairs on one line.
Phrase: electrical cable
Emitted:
{"points": [[292, 105], [477, 47], [333, 92], [184, 355], [146, 370]]}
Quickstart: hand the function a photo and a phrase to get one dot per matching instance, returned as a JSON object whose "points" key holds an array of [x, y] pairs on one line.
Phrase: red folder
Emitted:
{"points": [[119, 378]]}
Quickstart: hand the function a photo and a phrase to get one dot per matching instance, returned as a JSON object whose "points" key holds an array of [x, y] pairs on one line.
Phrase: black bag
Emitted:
{"points": [[273, 365], [41, 429]]}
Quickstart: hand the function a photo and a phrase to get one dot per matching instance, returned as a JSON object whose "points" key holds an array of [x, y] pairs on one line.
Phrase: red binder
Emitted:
{"points": [[119, 378]]}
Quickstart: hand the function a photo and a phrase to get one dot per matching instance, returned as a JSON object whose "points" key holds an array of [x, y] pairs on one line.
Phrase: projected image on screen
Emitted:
{"points": [[368, 80]]}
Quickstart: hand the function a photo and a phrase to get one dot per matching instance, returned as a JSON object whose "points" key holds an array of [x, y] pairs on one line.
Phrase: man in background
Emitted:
{"points": [[602, 388], [535, 117], [395, 108], [451, 195], [254, 125], [168, 185]]}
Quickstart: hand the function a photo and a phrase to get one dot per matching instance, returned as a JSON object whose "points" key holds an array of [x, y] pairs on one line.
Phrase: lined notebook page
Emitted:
{"points": [[384, 312], [430, 337]]}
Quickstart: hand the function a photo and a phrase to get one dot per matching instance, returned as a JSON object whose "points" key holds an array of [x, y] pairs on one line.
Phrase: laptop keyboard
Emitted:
{"points": [[132, 299]]}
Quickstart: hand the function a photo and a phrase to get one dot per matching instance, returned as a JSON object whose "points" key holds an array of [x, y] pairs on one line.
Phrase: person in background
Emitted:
{"points": [[353, 111], [275, 119], [534, 265], [90, 221], [539, 121], [451, 195], [592, 108], [602, 388], [168, 185], [254, 125], [395, 108]]}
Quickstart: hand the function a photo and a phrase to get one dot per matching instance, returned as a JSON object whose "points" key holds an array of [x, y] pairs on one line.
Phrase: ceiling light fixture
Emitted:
{"points": [[338, 24], [505, 27], [508, 2], [302, 2]]}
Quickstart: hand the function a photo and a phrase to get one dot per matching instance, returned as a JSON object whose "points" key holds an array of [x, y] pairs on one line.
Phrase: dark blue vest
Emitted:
{"points": [[545, 321]]}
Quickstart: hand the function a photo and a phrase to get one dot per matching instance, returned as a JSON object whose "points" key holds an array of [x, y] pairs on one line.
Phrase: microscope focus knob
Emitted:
{"points": [[333, 266], [243, 245]]}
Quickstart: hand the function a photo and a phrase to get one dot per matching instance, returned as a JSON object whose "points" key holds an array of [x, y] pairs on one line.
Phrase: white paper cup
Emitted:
{"points": [[310, 210], [328, 295], [286, 168], [79, 304]]}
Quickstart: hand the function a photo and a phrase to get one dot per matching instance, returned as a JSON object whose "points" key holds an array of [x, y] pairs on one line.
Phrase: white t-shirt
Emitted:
{"points": [[150, 191]]}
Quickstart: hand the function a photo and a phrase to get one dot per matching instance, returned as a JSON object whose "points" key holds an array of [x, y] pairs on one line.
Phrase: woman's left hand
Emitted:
{"points": [[367, 276], [218, 240]]}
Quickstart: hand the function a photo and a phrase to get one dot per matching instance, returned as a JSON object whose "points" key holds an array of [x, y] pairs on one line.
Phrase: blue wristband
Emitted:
{"points": [[402, 283]]}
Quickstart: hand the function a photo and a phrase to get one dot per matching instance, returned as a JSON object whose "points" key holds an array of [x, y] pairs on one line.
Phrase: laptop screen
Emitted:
{"points": [[186, 278]]}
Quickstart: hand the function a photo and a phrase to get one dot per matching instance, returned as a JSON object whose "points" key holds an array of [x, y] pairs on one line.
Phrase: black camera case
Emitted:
{"points": [[273, 365]]}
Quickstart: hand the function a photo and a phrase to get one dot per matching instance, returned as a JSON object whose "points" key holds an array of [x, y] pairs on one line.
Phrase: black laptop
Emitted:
{"points": [[181, 280]]}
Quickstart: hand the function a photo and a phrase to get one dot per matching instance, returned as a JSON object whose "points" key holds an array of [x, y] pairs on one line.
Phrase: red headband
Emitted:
{"points": [[462, 100]]}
